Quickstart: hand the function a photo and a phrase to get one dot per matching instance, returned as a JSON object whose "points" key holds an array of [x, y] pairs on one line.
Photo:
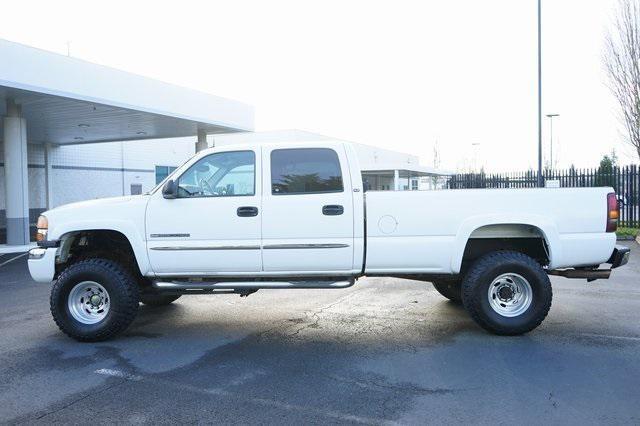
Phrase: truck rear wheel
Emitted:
{"points": [[94, 300], [507, 293], [157, 299], [452, 290]]}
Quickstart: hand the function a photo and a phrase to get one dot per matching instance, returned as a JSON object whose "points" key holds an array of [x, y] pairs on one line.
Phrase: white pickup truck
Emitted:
{"points": [[281, 216]]}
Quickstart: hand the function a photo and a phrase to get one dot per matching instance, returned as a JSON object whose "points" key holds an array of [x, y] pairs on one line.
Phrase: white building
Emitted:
{"points": [[382, 169], [55, 109], [81, 131], [89, 171]]}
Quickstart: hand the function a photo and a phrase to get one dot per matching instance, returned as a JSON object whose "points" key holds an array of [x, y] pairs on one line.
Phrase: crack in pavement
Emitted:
{"points": [[316, 314], [82, 398]]}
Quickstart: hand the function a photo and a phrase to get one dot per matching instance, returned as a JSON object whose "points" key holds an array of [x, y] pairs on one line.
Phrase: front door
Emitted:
{"points": [[307, 222], [213, 227]]}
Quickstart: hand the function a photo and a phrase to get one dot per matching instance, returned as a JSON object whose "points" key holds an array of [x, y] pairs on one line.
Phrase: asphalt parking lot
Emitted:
{"points": [[383, 351]]}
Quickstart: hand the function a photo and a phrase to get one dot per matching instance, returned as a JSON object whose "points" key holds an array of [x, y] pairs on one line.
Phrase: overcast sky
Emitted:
{"points": [[402, 75]]}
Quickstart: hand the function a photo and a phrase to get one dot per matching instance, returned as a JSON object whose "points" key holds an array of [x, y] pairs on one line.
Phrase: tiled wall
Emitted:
{"points": [[84, 172]]}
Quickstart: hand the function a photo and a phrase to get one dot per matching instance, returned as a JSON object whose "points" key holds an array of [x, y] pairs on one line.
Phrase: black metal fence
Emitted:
{"points": [[625, 180]]}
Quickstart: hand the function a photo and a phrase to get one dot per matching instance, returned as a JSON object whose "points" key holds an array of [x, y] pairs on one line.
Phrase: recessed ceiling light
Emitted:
{"points": [[142, 133], [83, 126], [78, 138]]}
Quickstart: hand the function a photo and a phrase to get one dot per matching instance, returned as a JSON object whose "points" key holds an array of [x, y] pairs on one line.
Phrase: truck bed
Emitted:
{"points": [[426, 231]]}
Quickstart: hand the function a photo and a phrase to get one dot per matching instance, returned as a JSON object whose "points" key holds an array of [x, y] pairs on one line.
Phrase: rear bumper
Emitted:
{"points": [[619, 257]]}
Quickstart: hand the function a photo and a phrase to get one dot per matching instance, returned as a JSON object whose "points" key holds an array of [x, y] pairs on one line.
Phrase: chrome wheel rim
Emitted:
{"points": [[88, 302], [510, 295]]}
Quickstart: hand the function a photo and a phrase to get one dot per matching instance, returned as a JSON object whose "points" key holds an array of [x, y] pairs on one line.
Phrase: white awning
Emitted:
{"points": [[416, 169], [67, 100]]}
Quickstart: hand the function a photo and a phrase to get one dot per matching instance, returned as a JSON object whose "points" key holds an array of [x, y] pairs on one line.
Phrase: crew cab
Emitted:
{"points": [[237, 219]]}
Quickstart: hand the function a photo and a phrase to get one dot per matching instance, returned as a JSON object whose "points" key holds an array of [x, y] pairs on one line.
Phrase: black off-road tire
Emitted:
{"points": [[123, 293], [452, 290], [484, 271], [157, 299]]}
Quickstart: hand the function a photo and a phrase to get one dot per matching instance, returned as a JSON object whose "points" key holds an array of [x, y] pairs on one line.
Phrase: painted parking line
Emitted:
{"points": [[606, 336], [117, 373], [12, 259], [266, 402]]}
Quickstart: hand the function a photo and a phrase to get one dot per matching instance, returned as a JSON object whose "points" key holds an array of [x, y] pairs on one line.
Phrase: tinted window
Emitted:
{"points": [[162, 172], [223, 174], [303, 171]]}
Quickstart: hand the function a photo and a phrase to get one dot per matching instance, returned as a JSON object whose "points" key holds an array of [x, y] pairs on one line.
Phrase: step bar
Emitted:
{"points": [[207, 286]]}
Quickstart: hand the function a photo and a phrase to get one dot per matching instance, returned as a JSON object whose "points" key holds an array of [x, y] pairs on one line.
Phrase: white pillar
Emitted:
{"points": [[16, 176], [396, 180], [201, 144], [48, 176]]}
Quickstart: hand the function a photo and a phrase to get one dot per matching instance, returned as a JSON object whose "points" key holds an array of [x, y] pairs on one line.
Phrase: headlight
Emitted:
{"points": [[43, 228]]}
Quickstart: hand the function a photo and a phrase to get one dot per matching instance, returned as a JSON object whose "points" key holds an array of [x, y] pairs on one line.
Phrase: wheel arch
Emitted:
{"points": [[107, 238], [512, 230]]}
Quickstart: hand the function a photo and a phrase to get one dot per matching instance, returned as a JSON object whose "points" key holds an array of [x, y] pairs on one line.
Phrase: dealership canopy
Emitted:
{"points": [[49, 98]]}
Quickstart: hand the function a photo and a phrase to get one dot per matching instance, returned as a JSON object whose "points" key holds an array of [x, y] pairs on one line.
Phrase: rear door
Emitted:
{"points": [[307, 221]]}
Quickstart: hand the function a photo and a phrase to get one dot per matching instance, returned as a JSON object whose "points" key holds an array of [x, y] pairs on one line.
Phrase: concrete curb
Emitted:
{"points": [[5, 249]]}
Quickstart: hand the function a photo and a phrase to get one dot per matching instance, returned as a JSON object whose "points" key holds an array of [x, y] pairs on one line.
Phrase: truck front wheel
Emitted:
{"points": [[507, 293], [94, 300], [450, 289]]}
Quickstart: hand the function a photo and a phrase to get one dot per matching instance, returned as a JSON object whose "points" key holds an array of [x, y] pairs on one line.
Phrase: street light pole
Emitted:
{"points": [[550, 117], [540, 182], [475, 146]]}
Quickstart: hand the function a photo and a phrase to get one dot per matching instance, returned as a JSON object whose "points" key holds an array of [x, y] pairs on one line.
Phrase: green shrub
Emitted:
{"points": [[627, 232]]}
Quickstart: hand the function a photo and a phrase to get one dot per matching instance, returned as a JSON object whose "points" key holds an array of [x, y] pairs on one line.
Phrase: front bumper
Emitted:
{"points": [[49, 243], [619, 257], [42, 264]]}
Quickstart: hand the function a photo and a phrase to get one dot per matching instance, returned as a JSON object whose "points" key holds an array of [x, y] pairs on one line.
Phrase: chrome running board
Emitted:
{"points": [[237, 285]]}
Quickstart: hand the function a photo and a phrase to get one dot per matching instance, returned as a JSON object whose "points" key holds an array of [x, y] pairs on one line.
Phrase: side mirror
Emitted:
{"points": [[170, 190]]}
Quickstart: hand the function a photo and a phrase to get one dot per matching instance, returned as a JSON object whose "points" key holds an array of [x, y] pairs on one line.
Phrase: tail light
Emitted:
{"points": [[613, 212]]}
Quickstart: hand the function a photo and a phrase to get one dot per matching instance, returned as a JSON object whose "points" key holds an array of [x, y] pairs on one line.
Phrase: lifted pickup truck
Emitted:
{"points": [[242, 218]]}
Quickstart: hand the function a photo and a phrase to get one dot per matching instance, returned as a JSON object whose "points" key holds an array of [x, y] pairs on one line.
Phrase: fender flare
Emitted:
{"points": [[123, 227], [547, 228]]}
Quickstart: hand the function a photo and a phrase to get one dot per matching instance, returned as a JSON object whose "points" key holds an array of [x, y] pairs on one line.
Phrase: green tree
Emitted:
{"points": [[622, 63], [605, 174]]}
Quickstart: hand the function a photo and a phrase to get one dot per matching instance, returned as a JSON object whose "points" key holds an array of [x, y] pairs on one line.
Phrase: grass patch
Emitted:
{"points": [[627, 232]]}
